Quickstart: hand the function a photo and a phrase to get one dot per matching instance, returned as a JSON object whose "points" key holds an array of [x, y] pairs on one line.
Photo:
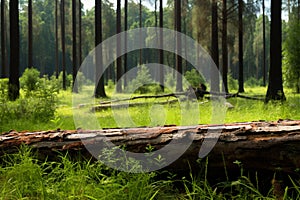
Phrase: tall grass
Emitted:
{"points": [[24, 177]]}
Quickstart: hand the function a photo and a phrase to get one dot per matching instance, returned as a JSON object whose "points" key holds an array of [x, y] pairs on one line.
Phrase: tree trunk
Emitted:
{"points": [[80, 32], [257, 145], [141, 25], [241, 51], [30, 51], [178, 46], [224, 46], [13, 84], [125, 40], [275, 88], [264, 44], [119, 58], [74, 45], [56, 40], [161, 41], [3, 41], [63, 44], [215, 46], [100, 90]]}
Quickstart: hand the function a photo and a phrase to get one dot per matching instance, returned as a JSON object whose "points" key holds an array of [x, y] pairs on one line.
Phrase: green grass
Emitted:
{"points": [[154, 115], [24, 177]]}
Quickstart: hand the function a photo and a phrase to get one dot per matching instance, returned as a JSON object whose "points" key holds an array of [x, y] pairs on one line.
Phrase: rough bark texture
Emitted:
{"points": [[3, 41], [275, 87], [100, 89], [215, 45], [14, 85], [257, 145], [30, 35]]}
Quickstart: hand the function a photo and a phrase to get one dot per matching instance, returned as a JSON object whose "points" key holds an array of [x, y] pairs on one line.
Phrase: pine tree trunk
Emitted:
{"points": [[3, 41], [215, 47], [125, 40], [161, 41], [264, 44], [224, 46], [56, 40], [74, 45], [275, 88], [80, 32], [63, 44], [13, 84], [30, 50], [178, 46], [100, 91], [241, 51], [119, 58]]}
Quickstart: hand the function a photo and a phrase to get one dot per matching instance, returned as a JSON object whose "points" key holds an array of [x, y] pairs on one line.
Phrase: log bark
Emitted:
{"points": [[257, 145]]}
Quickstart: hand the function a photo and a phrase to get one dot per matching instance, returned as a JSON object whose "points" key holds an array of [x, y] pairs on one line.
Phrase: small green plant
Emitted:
{"points": [[30, 79], [194, 78], [142, 83]]}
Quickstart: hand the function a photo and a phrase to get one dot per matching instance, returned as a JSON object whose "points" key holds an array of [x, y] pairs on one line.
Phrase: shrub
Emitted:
{"points": [[142, 83], [30, 79], [194, 78], [232, 83], [252, 82], [170, 81], [38, 104]]}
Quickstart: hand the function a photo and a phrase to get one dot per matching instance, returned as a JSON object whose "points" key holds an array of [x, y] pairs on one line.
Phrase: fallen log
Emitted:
{"points": [[257, 145], [125, 105]]}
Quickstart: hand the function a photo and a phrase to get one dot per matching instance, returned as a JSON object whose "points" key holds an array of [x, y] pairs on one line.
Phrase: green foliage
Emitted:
{"points": [[232, 83], [3, 89], [170, 81], [291, 62], [38, 104], [253, 82], [29, 81], [23, 176], [194, 78], [143, 82]]}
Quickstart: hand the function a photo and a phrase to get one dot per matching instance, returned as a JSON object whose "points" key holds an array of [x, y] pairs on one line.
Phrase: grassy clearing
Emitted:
{"points": [[154, 115], [24, 177]]}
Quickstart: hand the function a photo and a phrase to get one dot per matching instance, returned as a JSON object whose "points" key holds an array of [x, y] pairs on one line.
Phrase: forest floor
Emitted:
{"points": [[24, 177]]}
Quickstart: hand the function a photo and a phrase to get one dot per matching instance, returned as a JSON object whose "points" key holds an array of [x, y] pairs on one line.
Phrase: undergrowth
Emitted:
{"points": [[23, 176]]}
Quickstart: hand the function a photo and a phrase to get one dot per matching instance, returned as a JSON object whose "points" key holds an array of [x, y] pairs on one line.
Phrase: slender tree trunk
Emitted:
{"points": [[161, 41], [100, 90], [155, 13], [178, 46], [80, 32], [224, 46], [56, 39], [125, 40], [3, 41], [119, 59], [30, 51], [13, 84], [275, 88], [241, 51], [141, 24], [63, 45], [264, 44], [215, 84], [74, 45]]}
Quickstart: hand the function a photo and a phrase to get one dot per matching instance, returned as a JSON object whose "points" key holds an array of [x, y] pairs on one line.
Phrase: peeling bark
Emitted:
{"points": [[257, 145]]}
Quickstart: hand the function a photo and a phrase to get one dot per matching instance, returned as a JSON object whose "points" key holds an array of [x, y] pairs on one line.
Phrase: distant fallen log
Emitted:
{"points": [[257, 145], [125, 105]]}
